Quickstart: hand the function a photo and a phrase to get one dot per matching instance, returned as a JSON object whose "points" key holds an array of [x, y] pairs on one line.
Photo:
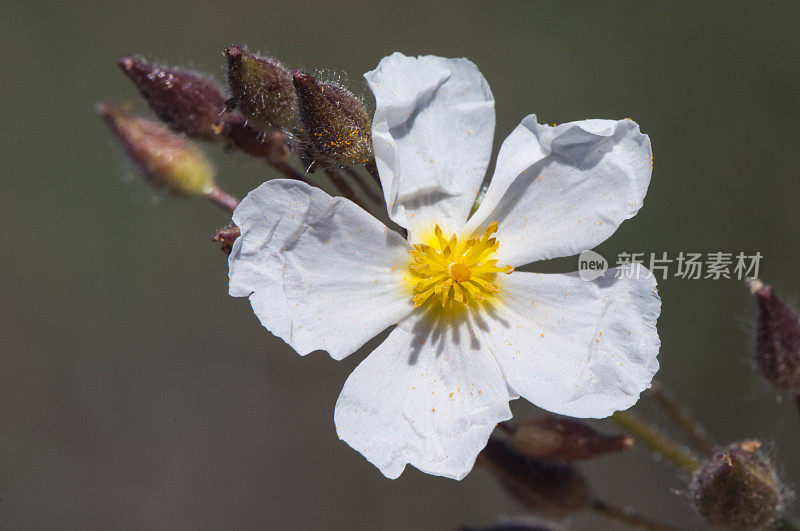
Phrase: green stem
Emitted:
{"points": [[680, 416], [657, 441]]}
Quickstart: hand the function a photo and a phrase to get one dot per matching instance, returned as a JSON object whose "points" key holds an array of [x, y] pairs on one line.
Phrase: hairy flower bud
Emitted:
{"points": [[226, 236], [737, 488], [335, 122], [270, 145], [550, 437], [167, 161], [187, 101], [544, 487], [262, 89], [777, 351]]}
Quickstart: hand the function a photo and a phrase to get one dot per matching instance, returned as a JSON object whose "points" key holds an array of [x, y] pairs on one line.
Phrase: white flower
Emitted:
{"points": [[322, 273]]}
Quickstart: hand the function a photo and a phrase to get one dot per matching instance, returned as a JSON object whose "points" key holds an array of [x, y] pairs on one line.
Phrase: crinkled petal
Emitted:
{"points": [[432, 132], [321, 273], [575, 347], [558, 191], [423, 397]]}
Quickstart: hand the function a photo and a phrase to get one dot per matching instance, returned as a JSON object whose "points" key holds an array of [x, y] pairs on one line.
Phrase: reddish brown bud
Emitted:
{"points": [[262, 89], [777, 350], [549, 437], [167, 161], [270, 145], [737, 488], [335, 121], [187, 101], [226, 236], [544, 487]]}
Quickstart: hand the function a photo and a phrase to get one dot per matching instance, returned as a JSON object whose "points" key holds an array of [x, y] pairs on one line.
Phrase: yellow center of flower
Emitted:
{"points": [[447, 271]]}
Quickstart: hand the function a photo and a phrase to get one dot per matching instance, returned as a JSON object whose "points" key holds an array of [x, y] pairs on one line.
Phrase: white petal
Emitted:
{"points": [[432, 131], [574, 347], [561, 190], [321, 273], [423, 398]]}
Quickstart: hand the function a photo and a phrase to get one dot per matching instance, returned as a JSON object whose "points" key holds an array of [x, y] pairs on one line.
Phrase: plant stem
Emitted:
{"points": [[626, 516], [656, 440], [680, 416], [288, 170], [372, 168], [364, 185], [342, 185], [222, 199]]}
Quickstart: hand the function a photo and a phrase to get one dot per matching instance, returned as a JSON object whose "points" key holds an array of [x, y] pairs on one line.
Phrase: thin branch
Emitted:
{"points": [[288, 170], [657, 441], [222, 199], [364, 185], [372, 168], [343, 187], [627, 516], [680, 416]]}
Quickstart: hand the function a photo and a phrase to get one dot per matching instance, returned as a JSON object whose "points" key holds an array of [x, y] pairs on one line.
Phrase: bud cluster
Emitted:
{"points": [[268, 106]]}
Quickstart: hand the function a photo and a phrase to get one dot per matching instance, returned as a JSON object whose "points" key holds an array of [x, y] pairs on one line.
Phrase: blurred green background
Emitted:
{"points": [[137, 395]]}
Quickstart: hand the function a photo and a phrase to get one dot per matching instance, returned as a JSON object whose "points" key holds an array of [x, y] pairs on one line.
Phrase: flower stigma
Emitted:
{"points": [[455, 272]]}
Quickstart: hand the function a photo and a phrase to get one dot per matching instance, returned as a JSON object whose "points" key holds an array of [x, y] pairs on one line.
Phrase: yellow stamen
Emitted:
{"points": [[452, 272]]}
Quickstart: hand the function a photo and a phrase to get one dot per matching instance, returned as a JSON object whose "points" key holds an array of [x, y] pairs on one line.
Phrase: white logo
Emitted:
{"points": [[591, 265]]}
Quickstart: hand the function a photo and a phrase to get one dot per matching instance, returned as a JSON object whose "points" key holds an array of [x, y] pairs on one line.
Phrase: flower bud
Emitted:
{"points": [[187, 101], [270, 145], [167, 161], [335, 122], [262, 89], [737, 488], [544, 487], [226, 236], [550, 437], [777, 351]]}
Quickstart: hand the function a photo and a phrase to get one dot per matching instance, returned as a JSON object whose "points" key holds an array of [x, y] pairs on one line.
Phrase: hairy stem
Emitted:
{"points": [[680, 416], [372, 168], [288, 170], [222, 199], [343, 187], [657, 441], [626, 516], [365, 187]]}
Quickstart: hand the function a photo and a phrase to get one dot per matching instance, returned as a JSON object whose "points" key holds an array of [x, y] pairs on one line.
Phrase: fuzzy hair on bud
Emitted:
{"points": [[270, 145], [544, 487], [335, 121], [166, 160], [550, 437], [261, 89], [187, 101], [737, 488], [777, 350]]}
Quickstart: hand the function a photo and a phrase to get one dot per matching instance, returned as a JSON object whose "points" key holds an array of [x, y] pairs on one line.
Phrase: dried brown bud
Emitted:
{"points": [[777, 351], [270, 145], [167, 160], [737, 488], [226, 236], [262, 89], [187, 101], [544, 487], [549, 437], [335, 121]]}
